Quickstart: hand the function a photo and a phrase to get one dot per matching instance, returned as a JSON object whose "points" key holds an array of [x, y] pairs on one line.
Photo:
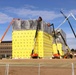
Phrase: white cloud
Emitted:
{"points": [[30, 6], [29, 13], [73, 11], [4, 18], [47, 15]]}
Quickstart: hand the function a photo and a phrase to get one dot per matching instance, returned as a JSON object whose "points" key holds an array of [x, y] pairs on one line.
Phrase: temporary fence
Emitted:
{"points": [[38, 69]]}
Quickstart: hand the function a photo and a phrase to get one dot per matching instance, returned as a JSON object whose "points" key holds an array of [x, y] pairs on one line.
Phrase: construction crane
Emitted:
{"points": [[69, 23], [7, 29], [70, 15]]}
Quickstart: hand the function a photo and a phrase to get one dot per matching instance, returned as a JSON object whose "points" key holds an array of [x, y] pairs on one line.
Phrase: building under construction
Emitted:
{"points": [[36, 38], [24, 42]]}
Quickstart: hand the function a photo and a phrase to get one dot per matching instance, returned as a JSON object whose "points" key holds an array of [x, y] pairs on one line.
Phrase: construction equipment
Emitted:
{"points": [[58, 33], [68, 54], [33, 54], [53, 31], [55, 35], [7, 30], [69, 23], [57, 56]]}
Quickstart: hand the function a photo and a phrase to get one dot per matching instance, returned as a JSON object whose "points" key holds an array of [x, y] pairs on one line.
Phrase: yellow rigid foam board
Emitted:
{"points": [[23, 43]]}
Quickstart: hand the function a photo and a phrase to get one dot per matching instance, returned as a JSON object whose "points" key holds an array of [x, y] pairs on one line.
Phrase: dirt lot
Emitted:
{"points": [[37, 66]]}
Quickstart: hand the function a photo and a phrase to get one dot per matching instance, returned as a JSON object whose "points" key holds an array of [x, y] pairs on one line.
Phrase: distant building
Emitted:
{"points": [[6, 48]]}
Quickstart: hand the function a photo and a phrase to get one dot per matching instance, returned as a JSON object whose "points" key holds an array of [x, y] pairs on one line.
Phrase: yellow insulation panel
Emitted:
{"points": [[56, 47], [47, 45], [23, 43]]}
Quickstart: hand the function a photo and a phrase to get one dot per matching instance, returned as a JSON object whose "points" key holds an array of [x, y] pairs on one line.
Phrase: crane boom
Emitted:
{"points": [[54, 35], [6, 30], [69, 23]]}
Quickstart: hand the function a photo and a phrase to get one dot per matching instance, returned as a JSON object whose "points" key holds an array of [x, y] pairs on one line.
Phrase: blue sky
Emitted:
{"points": [[31, 9]]}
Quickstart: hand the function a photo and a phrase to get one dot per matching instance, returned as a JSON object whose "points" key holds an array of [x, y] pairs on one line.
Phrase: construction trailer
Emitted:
{"points": [[23, 39]]}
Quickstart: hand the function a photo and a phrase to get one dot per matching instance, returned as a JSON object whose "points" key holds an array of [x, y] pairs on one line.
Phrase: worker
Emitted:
{"points": [[48, 24]]}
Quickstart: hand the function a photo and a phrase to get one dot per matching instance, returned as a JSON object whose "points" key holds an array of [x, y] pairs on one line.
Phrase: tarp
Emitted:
{"points": [[17, 25], [31, 25]]}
